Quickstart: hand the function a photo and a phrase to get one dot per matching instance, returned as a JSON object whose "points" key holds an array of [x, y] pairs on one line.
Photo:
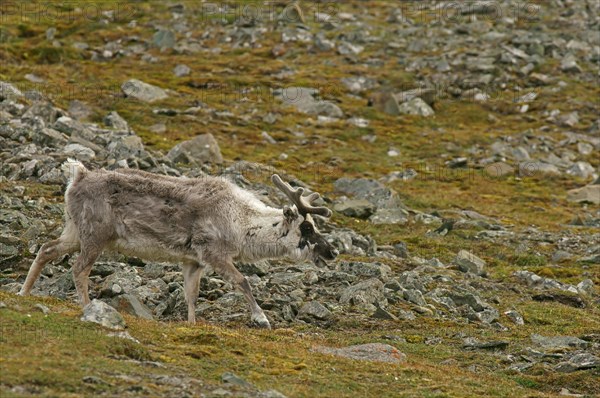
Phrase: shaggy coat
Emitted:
{"points": [[198, 222]]}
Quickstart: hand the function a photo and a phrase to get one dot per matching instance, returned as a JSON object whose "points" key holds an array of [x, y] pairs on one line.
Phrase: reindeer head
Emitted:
{"points": [[299, 220]]}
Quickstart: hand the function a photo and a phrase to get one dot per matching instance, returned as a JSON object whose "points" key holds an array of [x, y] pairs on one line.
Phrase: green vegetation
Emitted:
{"points": [[54, 353]]}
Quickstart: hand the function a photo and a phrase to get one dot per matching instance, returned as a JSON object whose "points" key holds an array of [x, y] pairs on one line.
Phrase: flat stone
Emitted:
{"points": [[515, 317], [114, 120], [143, 91], [580, 361], [391, 216], [587, 194], [199, 150], [468, 262], [357, 208], [8, 91], [380, 313], [233, 379], [472, 343], [130, 304], [79, 152], [498, 169], [314, 310], [164, 39], [359, 268], [374, 352], [559, 342], [181, 70], [103, 314], [417, 107], [365, 292]]}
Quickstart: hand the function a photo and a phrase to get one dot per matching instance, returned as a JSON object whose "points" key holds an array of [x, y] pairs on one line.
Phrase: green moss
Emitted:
{"points": [[529, 260]]}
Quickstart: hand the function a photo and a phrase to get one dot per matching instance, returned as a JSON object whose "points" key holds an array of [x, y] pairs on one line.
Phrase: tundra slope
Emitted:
{"points": [[200, 222]]}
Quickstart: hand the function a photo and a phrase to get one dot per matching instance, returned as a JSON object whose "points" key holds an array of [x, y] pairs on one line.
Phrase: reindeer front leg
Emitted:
{"points": [[192, 272], [227, 270]]}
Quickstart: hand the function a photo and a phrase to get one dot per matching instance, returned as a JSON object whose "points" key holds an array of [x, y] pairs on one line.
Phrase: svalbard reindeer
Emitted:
{"points": [[198, 222]]}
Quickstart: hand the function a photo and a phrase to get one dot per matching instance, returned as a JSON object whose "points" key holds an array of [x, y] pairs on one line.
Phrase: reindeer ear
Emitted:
{"points": [[290, 213]]}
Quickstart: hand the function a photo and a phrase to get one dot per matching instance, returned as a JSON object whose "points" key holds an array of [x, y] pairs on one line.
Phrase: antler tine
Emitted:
{"points": [[303, 203]]}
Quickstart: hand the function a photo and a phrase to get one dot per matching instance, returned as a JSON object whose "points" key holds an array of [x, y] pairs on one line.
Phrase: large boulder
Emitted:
{"points": [[589, 194], [103, 314], [201, 149], [143, 91], [304, 100]]}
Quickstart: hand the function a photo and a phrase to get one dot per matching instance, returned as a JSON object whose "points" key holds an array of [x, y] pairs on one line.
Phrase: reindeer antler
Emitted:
{"points": [[303, 203]]}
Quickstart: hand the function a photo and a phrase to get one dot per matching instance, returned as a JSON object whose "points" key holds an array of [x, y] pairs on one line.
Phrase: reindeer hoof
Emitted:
{"points": [[261, 321]]}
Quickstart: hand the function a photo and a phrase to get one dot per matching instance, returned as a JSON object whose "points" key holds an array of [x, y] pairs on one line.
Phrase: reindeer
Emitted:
{"points": [[202, 223]]}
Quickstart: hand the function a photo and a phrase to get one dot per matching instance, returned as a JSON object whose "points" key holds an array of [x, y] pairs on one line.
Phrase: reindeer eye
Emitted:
{"points": [[306, 228]]}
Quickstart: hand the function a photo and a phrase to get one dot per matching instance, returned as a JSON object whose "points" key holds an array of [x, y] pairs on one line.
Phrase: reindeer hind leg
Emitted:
{"points": [[67, 243]]}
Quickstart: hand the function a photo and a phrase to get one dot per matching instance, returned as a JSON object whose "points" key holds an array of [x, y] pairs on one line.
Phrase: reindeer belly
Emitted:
{"points": [[149, 250]]}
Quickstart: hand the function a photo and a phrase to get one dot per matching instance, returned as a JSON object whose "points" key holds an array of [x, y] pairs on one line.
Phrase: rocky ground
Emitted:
{"points": [[457, 146]]}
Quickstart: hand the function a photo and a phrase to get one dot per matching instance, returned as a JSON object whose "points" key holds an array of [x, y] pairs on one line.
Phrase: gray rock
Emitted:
{"points": [[79, 152], [303, 99], [406, 315], [587, 194], [181, 70], [292, 13], [515, 317], [415, 106], [79, 110], [581, 169], [380, 313], [202, 149], [498, 169], [375, 352], [346, 48], [580, 361], [586, 287], [122, 281], [401, 250], [415, 297], [272, 394], [260, 268], [569, 64], [584, 148], [359, 84], [163, 39], [357, 208], [314, 310], [48, 137], [472, 343], [114, 120], [389, 216], [101, 313], [468, 262], [45, 310], [470, 299], [322, 43], [130, 304], [559, 342], [143, 91], [365, 188], [520, 154], [534, 280], [125, 147], [365, 292], [235, 380], [8, 91], [154, 270], [7, 251], [72, 127], [94, 380], [374, 270]]}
